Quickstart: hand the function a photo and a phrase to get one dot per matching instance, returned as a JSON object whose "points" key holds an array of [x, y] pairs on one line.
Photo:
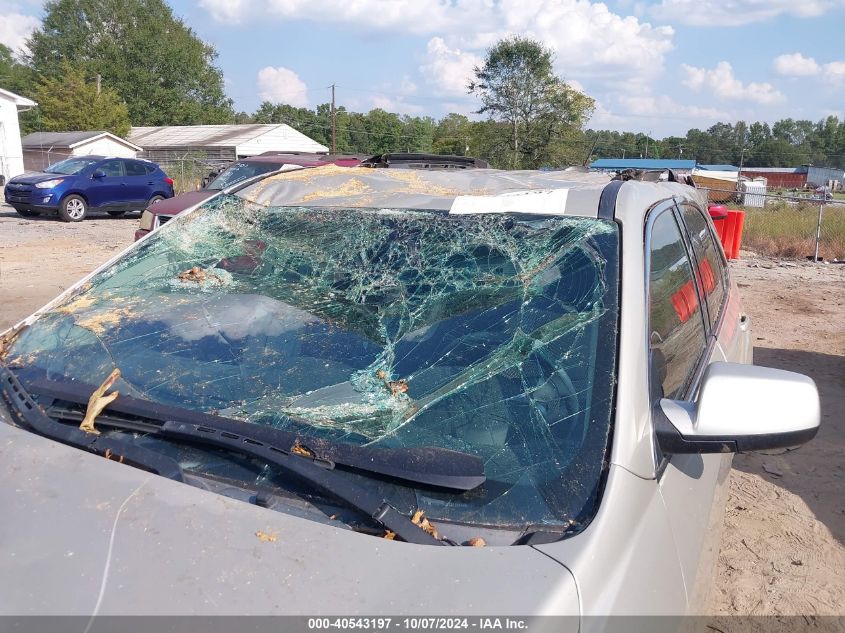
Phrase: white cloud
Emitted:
{"points": [[393, 104], [448, 69], [228, 11], [835, 70], [282, 85], [588, 38], [796, 65], [721, 82], [15, 29], [663, 106], [738, 12]]}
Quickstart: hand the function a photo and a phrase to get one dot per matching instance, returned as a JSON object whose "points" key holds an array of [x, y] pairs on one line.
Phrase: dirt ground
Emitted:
{"points": [[783, 546]]}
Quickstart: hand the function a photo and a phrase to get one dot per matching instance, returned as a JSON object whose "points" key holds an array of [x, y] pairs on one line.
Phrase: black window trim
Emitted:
{"points": [[691, 391]]}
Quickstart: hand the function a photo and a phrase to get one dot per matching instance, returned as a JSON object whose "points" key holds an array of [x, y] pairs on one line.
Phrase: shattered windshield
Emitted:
{"points": [[489, 334]]}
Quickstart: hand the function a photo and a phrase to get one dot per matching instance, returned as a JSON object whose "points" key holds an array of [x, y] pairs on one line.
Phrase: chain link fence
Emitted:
{"points": [[790, 226], [190, 171]]}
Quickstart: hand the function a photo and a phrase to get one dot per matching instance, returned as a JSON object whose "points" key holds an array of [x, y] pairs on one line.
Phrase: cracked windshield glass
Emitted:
{"points": [[489, 334]]}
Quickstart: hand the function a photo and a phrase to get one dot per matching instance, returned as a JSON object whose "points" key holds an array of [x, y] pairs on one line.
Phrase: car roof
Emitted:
{"points": [[306, 160], [571, 191]]}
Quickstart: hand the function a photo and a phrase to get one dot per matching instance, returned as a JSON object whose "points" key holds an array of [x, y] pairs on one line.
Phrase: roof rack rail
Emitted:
{"points": [[413, 160]]}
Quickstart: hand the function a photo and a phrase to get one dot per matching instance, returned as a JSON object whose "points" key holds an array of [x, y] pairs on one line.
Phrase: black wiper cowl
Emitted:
{"points": [[431, 466]]}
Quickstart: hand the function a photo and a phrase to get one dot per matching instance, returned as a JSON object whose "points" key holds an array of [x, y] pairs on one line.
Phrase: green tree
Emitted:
{"points": [[71, 104], [14, 75], [157, 64], [517, 86], [451, 135]]}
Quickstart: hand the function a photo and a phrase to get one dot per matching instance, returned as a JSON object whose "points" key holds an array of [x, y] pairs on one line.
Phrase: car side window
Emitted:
{"points": [[677, 336], [134, 168], [112, 168], [709, 263]]}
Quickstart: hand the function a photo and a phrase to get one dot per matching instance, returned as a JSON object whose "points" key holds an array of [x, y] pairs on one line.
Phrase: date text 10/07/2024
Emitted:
{"points": [[418, 623]]}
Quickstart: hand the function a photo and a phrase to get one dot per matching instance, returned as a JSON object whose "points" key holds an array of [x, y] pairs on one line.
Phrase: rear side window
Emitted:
{"points": [[135, 169], [709, 263], [112, 168], [676, 324]]}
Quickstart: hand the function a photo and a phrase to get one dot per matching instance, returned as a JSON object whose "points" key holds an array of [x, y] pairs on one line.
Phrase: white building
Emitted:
{"points": [[170, 143], [45, 148], [11, 154]]}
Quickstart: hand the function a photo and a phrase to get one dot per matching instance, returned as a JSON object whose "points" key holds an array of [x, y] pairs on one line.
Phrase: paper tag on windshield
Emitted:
{"points": [[542, 201]]}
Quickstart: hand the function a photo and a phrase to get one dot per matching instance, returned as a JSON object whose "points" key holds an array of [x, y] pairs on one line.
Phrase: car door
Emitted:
{"points": [[140, 183], [681, 343], [109, 191]]}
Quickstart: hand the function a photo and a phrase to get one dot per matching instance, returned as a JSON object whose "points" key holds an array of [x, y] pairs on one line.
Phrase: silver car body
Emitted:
{"points": [[84, 535]]}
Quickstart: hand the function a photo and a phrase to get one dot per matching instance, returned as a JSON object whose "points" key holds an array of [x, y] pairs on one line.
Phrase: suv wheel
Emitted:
{"points": [[73, 209], [153, 200]]}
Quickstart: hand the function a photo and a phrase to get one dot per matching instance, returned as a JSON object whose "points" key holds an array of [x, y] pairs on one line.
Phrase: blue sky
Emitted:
{"points": [[659, 66]]}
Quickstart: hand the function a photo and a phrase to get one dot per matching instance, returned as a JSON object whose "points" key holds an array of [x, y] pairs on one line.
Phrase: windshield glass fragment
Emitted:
{"points": [[492, 335]]}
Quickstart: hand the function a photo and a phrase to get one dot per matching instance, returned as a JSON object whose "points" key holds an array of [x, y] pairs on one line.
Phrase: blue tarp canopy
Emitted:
{"points": [[719, 167], [642, 163]]}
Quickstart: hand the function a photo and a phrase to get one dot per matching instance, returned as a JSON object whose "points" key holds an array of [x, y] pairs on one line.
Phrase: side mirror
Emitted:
{"points": [[98, 174], [740, 408]]}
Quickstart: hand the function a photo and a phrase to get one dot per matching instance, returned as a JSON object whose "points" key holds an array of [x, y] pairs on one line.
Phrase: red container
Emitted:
{"points": [[730, 232]]}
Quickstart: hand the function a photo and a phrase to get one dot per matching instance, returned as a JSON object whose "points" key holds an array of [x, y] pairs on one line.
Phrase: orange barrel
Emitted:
{"points": [[727, 236], [719, 215], [739, 222]]}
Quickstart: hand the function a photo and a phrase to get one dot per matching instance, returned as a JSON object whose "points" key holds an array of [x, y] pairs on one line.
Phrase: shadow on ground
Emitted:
{"points": [[8, 212], [815, 471]]}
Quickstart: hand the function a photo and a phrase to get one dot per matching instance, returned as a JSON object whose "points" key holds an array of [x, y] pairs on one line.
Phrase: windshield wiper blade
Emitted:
{"points": [[432, 466], [34, 418], [320, 475], [310, 471]]}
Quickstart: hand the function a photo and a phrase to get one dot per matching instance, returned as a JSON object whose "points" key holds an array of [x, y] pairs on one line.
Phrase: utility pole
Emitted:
{"points": [[334, 125], [739, 173], [99, 83]]}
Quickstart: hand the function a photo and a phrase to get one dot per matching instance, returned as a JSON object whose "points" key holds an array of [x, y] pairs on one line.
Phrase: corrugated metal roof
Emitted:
{"points": [[776, 170], [718, 167], [642, 163], [188, 136], [69, 140], [58, 139]]}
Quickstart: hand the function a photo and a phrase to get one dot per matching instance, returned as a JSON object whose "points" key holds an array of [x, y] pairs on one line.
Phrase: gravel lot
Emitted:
{"points": [[783, 547]]}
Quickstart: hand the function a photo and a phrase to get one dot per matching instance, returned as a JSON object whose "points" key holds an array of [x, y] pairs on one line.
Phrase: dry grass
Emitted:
{"points": [[789, 231]]}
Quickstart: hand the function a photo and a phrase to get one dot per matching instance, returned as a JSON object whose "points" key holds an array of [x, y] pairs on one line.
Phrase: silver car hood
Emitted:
{"points": [[82, 535]]}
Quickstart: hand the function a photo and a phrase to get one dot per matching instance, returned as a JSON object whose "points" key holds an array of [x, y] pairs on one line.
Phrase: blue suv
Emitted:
{"points": [[75, 186]]}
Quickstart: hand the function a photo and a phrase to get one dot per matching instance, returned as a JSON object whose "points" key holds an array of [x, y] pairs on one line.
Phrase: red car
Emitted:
{"points": [[238, 171]]}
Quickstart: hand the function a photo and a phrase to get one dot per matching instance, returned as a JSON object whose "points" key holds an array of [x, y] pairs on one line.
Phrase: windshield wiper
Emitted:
{"points": [[431, 466], [35, 419], [318, 473]]}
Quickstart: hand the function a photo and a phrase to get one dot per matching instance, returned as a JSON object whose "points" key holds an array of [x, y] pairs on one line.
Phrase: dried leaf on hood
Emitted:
{"points": [[199, 275], [476, 541], [424, 524], [390, 536], [99, 401], [266, 537], [398, 386], [7, 339], [300, 449]]}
